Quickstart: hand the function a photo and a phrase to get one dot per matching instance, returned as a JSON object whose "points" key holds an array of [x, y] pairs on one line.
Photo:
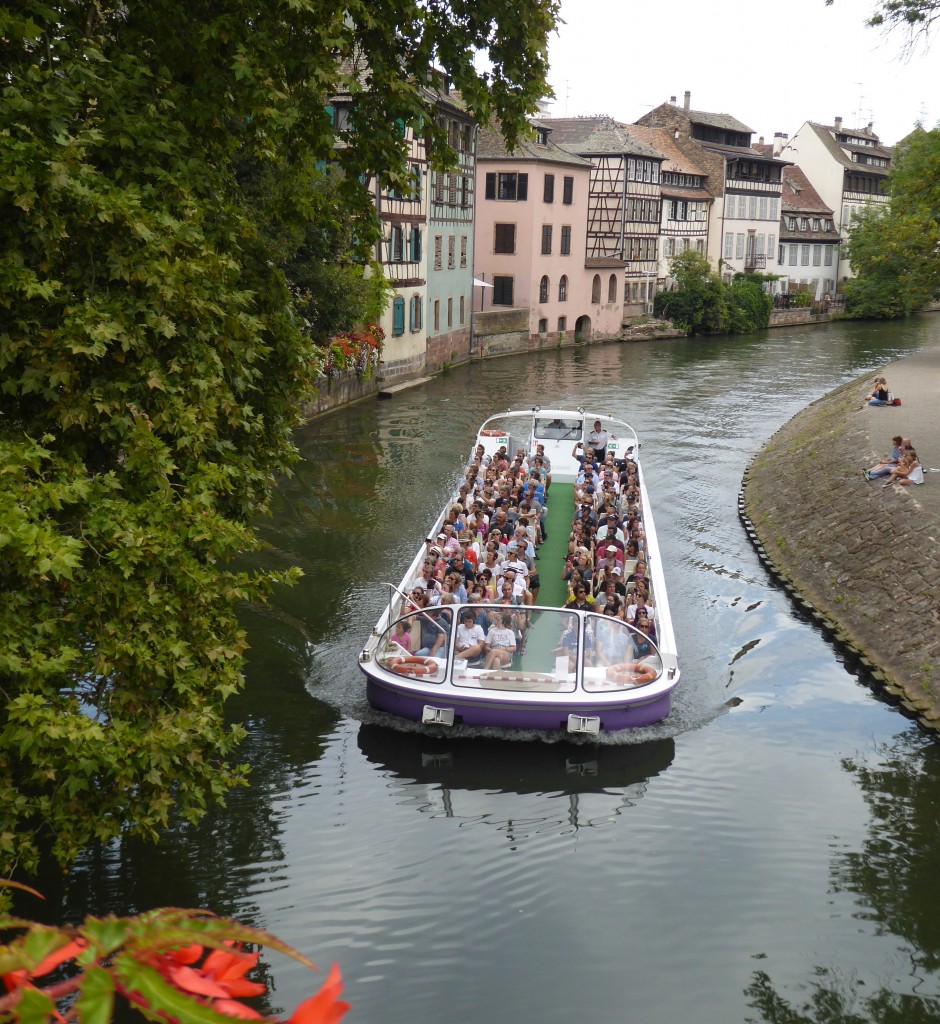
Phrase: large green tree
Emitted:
{"points": [[152, 364], [894, 248]]}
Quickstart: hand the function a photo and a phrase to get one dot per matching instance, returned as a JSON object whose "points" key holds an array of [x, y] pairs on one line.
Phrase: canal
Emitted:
{"points": [[770, 852]]}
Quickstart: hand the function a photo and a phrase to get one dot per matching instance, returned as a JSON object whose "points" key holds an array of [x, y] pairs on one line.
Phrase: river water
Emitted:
{"points": [[770, 852]]}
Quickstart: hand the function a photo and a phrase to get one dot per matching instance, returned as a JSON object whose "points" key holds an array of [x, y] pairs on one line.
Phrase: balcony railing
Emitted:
{"points": [[755, 261]]}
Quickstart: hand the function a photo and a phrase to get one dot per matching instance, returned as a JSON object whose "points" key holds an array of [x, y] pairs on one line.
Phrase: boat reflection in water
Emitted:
{"points": [[473, 773]]}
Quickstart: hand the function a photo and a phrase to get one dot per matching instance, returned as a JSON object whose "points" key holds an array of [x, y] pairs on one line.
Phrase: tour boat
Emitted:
{"points": [[565, 668]]}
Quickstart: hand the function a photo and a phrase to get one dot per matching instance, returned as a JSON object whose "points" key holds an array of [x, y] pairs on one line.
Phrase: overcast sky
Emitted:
{"points": [[772, 66]]}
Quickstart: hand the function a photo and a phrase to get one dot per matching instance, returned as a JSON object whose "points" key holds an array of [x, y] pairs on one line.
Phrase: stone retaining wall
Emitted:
{"points": [[860, 559]]}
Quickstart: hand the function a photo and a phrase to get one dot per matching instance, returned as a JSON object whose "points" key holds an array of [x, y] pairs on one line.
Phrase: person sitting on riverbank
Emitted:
{"points": [[879, 392], [907, 471], [888, 463]]}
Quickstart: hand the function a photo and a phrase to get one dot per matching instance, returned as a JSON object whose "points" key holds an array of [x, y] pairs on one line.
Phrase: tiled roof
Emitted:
{"points": [[742, 152], [836, 149], [798, 194], [700, 195], [597, 136], [604, 262], [663, 140], [724, 121], [490, 146]]}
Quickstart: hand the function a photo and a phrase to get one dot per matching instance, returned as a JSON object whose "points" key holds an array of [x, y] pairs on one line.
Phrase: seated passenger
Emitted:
{"points": [[568, 642], [470, 637], [500, 643], [433, 625]]}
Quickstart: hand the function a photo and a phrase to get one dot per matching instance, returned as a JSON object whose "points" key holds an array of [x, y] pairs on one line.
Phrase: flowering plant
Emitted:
{"points": [[359, 350], [174, 966]]}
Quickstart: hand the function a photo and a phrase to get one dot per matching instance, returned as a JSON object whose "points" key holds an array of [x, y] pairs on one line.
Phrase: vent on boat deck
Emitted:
{"points": [[437, 716]]}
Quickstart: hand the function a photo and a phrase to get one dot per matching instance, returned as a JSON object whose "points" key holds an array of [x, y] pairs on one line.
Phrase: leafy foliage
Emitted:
{"points": [[163, 182], [915, 18], [895, 249], [169, 964]]}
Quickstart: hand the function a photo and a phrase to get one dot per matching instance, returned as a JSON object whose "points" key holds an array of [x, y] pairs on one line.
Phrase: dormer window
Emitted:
{"points": [[541, 136]]}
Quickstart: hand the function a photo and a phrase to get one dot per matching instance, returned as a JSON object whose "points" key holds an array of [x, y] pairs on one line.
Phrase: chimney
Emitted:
{"points": [[675, 133], [780, 139], [672, 100], [760, 140], [871, 125], [687, 101], [837, 124]]}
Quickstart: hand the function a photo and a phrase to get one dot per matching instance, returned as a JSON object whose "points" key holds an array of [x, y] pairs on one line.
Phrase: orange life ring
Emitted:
{"points": [[631, 673], [492, 433], [412, 665]]}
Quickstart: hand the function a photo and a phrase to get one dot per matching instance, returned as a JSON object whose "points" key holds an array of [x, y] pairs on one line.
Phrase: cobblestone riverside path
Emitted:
{"points": [[866, 556]]}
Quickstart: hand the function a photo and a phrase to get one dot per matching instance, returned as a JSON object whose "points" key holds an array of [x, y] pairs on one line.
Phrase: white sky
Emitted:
{"points": [[772, 66]]}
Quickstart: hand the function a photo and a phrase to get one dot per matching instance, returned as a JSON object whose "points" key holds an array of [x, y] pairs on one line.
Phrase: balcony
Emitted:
{"points": [[755, 261]]}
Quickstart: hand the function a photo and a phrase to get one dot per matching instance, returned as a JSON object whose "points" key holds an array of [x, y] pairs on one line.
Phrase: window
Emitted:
{"points": [[463, 252], [816, 224], [462, 310], [804, 224], [439, 187], [415, 313], [511, 187], [699, 246], [636, 291], [562, 323], [546, 239], [543, 289], [543, 326], [804, 256], [782, 256], [452, 189], [752, 208], [773, 208], [794, 252], [729, 245], [398, 317], [563, 289], [791, 223], [828, 258], [437, 315], [742, 207], [438, 252], [567, 196], [739, 247], [668, 244], [450, 312], [817, 255], [397, 244], [502, 291], [729, 208], [548, 189], [596, 290], [759, 249], [504, 240], [772, 244], [415, 245], [451, 252], [762, 214], [464, 192], [566, 241], [612, 288]]}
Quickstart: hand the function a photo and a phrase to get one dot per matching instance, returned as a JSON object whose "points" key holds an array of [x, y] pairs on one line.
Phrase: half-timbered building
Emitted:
{"points": [[449, 256], [625, 205], [531, 239], [686, 200], [742, 232], [849, 168]]}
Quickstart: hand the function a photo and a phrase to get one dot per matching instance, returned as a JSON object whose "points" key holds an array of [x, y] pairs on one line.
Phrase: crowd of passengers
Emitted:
{"points": [[487, 552]]}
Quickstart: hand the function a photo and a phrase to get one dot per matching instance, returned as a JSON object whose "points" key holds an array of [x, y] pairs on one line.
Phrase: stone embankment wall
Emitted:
{"points": [[860, 559], [804, 315]]}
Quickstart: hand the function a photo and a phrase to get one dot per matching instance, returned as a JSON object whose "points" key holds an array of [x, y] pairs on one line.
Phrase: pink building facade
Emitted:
{"points": [[530, 240]]}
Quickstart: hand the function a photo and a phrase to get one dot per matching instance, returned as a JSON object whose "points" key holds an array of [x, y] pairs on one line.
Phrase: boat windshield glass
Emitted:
{"points": [[558, 429], [417, 645], [530, 649], [618, 656]]}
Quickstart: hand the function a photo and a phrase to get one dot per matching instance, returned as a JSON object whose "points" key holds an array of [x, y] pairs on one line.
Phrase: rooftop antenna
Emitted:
{"points": [[567, 94], [861, 99]]}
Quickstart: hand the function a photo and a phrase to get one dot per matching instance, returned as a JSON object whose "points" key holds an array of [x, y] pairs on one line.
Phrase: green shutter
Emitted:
{"points": [[398, 316]]}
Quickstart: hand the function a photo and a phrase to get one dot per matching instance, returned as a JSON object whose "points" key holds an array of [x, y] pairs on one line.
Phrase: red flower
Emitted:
{"points": [[14, 979], [324, 1007]]}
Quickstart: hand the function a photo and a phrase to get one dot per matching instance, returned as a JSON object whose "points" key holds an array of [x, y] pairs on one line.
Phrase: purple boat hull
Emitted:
{"points": [[509, 715]]}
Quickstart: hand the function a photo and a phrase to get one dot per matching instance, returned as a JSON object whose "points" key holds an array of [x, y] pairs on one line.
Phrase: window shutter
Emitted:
{"points": [[491, 186], [416, 245], [398, 316], [523, 188]]}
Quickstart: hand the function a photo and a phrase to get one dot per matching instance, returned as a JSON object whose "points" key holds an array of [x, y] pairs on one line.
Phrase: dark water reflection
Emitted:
{"points": [[769, 852]]}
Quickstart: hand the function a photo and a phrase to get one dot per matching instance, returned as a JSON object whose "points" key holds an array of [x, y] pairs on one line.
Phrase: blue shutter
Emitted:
{"points": [[398, 316], [416, 244]]}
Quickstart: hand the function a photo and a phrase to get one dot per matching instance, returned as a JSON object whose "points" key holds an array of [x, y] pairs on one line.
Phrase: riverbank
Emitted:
{"points": [[864, 557]]}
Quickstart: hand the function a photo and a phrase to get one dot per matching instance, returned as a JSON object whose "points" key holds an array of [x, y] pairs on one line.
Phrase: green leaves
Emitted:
{"points": [[893, 248]]}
